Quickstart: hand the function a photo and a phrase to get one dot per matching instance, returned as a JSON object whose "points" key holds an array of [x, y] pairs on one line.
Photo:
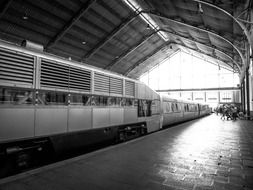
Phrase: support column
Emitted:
{"points": [[241, 90], [243, 96], [251, 82], [247, 92]]}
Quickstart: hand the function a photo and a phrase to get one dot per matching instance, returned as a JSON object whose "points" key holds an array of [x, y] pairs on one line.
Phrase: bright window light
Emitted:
{"points": [[186, 71]]}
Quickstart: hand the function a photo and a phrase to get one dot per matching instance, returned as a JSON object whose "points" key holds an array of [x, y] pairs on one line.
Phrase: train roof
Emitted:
{"points": [[19, 49], [168, 98]]}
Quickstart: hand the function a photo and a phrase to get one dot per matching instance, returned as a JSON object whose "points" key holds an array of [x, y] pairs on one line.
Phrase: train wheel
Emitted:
{"points": [[122, 136], [7, 166], [143, 131], [23, 160]]}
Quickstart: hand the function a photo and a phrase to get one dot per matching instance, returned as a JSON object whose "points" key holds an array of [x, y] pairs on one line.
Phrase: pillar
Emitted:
{"points": [[247, 92], [243, 96]]}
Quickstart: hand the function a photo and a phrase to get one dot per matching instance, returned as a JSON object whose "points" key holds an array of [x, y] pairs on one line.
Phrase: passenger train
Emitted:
{"points": [[48, 101]]}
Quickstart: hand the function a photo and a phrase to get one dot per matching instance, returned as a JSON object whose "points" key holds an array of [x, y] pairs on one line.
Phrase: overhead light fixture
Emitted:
{"points": [[144, 16], [25, 17], [200, 10]]}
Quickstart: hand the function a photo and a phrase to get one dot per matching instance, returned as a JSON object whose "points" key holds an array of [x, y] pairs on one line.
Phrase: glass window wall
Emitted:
{"points": [[186, 71]]}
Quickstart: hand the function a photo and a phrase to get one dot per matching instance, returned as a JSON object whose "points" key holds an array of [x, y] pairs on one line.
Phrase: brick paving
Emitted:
{"points": [[204, 154]]}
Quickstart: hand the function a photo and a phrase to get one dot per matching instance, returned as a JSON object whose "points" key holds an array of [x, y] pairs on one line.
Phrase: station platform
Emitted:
{"points": [[204, 154]]}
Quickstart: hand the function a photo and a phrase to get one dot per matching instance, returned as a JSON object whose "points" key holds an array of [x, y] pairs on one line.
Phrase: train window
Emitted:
{"points": [[103, 101], [123, 102], [177, 107], [186, 108], [144, 108], [141, 109], [173, 107], [167, 107], [16, 96], [99, 101], [155, 109], [129, 102], [149, 103], [191, 108], [79, 99], [114, 101], [52, 98], [94, 101], [135, 103]]}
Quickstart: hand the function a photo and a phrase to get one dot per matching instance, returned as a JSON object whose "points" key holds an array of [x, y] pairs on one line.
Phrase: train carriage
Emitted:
{"points": [[50, 101]]}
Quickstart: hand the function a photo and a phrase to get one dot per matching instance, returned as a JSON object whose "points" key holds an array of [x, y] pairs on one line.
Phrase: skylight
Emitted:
{"points": [[137, 8]]}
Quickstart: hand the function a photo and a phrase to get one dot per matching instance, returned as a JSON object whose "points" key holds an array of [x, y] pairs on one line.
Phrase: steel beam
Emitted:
{"points": [[206, 45], [110, 36], [242, 26], [146, 58], [199, 89], [164, 58], [210, 62], [167, 44], [177, 35], [72, 21], [201, 52], [159, 15], [236, 20], [142, 41], [5, 7]]}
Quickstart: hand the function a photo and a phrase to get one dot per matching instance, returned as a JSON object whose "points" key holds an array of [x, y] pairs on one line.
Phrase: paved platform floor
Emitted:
{"points": [[205, 154]]}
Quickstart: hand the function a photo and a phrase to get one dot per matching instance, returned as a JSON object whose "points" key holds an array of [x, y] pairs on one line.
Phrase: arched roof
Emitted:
{"points": [[128, 37]]}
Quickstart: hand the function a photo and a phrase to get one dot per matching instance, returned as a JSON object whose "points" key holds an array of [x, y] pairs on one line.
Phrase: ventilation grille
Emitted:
{"points": [[101, 83], [54, 75], [129, 88], [63, 76], [116, 85], [79, 79], [16, 68]]}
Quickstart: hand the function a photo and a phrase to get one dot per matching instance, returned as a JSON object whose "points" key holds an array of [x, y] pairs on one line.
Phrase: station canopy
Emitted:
{"points": [[130, 36]]}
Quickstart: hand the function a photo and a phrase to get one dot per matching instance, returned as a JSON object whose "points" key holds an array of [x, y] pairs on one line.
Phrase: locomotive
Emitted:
{"points": [[52, 102]]}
